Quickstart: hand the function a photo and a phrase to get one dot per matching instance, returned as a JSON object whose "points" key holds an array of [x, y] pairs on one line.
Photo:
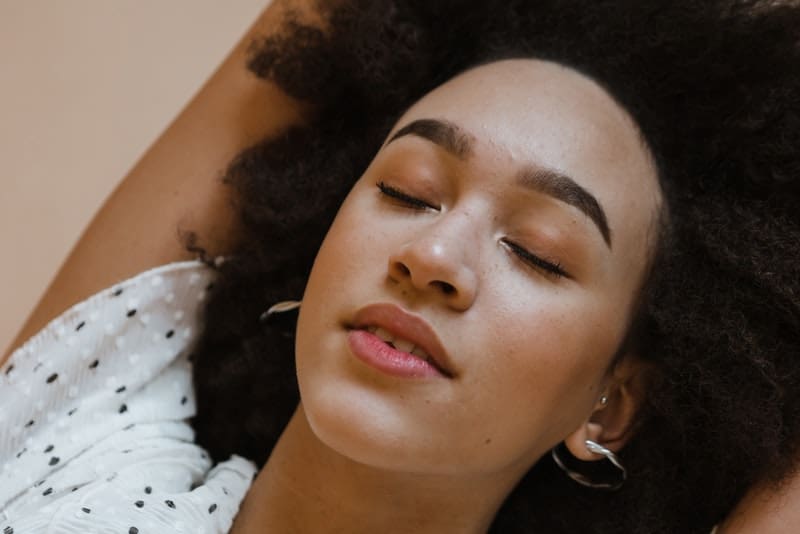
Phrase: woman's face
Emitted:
{"points": [[510, 210]]}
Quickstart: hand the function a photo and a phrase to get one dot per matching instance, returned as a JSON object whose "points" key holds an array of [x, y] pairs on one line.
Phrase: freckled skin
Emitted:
{"points": [[532, 350]]}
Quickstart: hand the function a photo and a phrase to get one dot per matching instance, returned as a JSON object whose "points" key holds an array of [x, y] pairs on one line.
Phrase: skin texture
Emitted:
{"points": [[532, 351]]}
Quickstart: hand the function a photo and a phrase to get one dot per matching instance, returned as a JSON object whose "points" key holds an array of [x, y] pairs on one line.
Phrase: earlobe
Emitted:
{"points": [[588, 450], [611, 423], [576, 442]]}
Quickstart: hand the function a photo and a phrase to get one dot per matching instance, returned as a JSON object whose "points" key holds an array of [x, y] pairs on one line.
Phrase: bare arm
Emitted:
{"points": [[176, 185]]}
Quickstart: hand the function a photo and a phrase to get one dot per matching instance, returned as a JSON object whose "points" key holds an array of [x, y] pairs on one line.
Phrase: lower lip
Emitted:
{"points": [[372, 350]]}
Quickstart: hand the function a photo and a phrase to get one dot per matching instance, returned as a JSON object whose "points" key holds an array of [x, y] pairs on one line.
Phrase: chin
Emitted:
{"points": [[369, 431], [361, 426]]}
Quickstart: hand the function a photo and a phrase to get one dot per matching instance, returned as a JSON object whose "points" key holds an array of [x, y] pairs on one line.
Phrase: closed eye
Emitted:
{"points": [[405, 199], [549, 268]]}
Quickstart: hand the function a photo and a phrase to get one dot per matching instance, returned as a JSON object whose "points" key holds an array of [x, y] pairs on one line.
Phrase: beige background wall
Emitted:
{"points": [[85, 87]]}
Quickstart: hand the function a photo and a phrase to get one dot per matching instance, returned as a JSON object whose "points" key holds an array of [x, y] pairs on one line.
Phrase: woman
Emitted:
{"points": [[566, 309]]}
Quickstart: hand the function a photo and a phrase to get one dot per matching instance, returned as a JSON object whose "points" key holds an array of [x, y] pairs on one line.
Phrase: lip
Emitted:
{"points": [[413, 328]]}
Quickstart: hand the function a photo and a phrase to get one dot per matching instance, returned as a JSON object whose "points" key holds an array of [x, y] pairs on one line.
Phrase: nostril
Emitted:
{"points": [[399, 270], [447, 289]]}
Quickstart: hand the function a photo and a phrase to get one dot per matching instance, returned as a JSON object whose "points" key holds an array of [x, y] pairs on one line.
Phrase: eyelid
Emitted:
{"points": [[405, 198], [549, 268]]}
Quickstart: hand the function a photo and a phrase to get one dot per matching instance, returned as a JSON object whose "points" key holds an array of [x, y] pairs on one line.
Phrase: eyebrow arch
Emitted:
{"points": [[443, 133], [458, 142], [565, 189]]}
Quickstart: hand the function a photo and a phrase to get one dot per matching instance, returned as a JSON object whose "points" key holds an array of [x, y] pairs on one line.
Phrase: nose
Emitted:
{"points": [[439, 265]]}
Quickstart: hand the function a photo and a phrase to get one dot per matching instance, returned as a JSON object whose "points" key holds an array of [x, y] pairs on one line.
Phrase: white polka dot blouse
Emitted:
{"points": [[94, 409]]}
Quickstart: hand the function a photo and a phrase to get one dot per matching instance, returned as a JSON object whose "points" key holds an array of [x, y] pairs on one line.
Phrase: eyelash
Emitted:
{"points": [[551, 269], [408, 200]]}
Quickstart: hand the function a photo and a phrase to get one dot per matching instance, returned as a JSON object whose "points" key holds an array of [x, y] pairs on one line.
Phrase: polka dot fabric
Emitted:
{"points": [[94, 415]]}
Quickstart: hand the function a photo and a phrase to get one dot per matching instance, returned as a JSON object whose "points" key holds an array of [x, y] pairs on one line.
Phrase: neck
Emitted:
{"points": [[307, 487]]}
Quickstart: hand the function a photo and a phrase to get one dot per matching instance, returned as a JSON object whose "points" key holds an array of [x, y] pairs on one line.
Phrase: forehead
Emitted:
{"points": [[530, 112]]}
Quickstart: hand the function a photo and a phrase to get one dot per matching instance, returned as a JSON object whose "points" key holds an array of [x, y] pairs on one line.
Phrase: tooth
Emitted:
{"points": [[404, 345], [371, 329], [384, 335], [421, 353]]}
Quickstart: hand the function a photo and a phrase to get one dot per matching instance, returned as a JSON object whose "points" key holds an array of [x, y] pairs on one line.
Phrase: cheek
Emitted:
{"points": [[544, 366], [348, 246]]}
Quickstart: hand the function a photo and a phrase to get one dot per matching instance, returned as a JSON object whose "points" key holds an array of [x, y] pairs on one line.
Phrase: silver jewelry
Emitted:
{"points": [[280, 307], [580, 478], [603, 400]]}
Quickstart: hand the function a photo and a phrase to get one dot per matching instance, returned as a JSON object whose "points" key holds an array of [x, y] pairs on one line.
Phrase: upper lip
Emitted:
{"points": [[408, 326]]}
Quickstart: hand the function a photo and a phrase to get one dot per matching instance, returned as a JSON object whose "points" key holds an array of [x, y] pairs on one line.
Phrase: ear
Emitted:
{"points": [[611, 423]]}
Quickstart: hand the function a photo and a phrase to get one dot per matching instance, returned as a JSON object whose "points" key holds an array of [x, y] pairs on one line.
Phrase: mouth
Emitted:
{"points": [[400, 343], [405, 346], [406, 337]]}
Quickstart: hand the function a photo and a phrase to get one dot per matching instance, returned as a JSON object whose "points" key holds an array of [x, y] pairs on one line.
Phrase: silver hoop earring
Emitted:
{"points": [[280, 307], [580, 478]]}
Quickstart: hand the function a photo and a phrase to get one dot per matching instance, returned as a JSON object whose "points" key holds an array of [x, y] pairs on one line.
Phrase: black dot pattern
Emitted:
{"points": [[139, 331]]}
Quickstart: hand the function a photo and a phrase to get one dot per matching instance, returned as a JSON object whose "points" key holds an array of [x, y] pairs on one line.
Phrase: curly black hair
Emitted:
{"points": [[714, 87]]}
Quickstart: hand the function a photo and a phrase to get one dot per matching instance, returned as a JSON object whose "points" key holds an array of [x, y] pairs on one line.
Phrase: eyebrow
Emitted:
{"points": [[563, 188], [444, 133], [459, 143]]}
